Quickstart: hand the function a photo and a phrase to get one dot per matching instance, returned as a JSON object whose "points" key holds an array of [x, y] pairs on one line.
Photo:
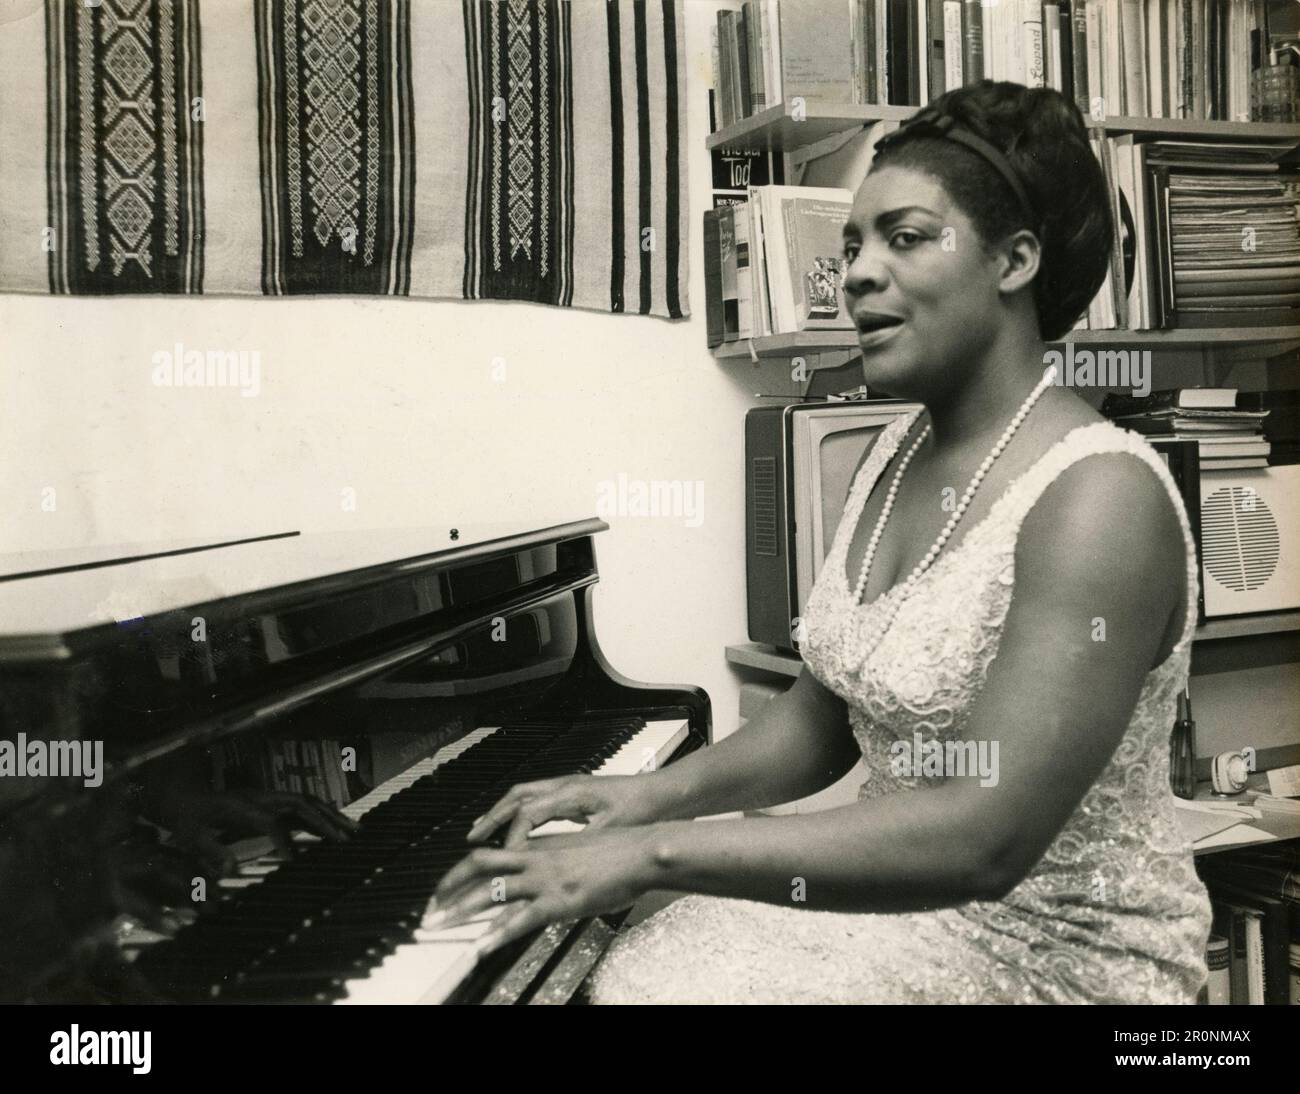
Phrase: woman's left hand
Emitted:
{"points": [[553, 879]]}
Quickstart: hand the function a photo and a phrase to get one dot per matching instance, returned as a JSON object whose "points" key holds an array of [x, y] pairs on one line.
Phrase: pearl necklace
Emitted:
{"points": [[962, 506]]}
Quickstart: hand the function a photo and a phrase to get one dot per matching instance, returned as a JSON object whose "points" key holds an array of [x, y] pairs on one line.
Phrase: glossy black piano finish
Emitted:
{"points": [[339, 637]]}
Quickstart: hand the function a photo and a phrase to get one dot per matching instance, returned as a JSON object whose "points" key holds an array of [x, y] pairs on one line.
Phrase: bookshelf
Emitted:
{"points": [[755, 655], [778, 129], [798, 343]]}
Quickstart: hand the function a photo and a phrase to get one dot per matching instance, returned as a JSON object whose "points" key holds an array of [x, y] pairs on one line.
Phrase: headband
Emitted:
{"points": [[935, 124]]}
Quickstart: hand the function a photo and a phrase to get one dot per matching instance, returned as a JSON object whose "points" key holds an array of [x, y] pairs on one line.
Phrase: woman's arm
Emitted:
{"points": [[798, 744], [1096, 586]]}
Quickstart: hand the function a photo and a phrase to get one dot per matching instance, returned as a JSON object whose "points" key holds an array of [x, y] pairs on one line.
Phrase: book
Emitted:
{"points": [[730, 273], [972, 53], [714, 319], [1219, 986], [808, 237], [1267, 934], [816, 57], [1187, 398], [744, 272]]}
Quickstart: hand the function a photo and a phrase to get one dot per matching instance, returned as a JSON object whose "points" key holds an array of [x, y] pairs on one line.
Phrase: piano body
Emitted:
{"points": [[411, 677]]}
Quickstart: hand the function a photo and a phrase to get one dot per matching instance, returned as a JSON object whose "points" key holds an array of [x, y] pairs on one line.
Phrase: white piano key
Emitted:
{"points": [[647, 751], [429, 968], [420, 972], [379, 794]]}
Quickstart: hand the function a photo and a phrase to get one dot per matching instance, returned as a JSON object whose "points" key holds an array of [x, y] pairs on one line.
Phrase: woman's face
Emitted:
{"points": [[919, 282]]}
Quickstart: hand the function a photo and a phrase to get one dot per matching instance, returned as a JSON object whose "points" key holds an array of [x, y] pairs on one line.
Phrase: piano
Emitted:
{"points": [[410, 678]]}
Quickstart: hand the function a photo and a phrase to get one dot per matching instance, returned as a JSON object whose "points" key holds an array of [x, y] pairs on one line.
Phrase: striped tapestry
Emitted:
{"points": [[475, 149]]}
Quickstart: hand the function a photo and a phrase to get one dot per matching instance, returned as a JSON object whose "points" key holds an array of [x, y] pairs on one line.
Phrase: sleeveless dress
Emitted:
{"points": [[1112, 913]]}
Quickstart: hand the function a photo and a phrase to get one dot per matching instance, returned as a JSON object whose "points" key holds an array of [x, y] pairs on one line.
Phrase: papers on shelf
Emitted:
{"points": [[1284, 782]]}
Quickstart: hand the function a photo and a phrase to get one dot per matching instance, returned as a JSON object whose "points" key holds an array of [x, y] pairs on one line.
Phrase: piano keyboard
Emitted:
{"points": [[342, 923]]}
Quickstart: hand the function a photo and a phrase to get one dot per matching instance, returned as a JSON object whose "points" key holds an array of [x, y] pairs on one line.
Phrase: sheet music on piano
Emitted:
{"points": [[409, 678]]}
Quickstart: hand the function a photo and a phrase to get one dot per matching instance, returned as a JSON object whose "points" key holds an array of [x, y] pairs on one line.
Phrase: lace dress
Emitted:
{"points": [[1112, 913]]}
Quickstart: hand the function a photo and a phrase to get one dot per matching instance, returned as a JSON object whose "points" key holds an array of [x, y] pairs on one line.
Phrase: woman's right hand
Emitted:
{"points": [[597, 801]]}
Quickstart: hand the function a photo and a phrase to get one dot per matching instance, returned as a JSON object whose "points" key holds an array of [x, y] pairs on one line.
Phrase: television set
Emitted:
{"points": [[799, 465]]}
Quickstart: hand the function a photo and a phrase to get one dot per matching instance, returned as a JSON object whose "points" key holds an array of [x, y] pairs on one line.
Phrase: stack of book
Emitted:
{"points": [[773, 264], [1207, 234], [335, 771], [1255, 892], [1145, 58], [1228, 437], [312, 766]]}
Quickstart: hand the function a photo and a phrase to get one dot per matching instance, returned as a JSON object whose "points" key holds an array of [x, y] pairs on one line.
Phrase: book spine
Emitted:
{"points": [[1052, 46], [882, 51], [1216, 960], [1157, 97], [1255, 959], [870, 52], [1112, 65], [776, 88], [857, 48], [918, 43], [1173, 69], [715, 113], [896, 24], [1031, 42], [744, 273], [742, 56], [972, 54], [764, 53], [716, 329], [754, 53], [1209, 43], [730, 273], [1198, 58], [1013, 41], [992, 34], [1117, 244], [725, 114], [953, 45], [1096, 50], [937, 48], [1132, 42], [1187, 58], [1079, 54]]}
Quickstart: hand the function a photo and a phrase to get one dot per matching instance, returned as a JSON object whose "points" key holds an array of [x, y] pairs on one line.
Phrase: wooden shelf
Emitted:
{"points": [[1244, 626], [788, 345], [754, 655], [1235, 336], [830, 341], [775, 128], [1190, 127]]}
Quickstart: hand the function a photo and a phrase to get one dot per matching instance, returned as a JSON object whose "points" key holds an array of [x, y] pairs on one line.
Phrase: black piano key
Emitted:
{"points": [[333, 911]]}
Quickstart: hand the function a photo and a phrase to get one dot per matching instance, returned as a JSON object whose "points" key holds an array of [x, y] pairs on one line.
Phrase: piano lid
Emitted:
{"points": [[47, 596]]}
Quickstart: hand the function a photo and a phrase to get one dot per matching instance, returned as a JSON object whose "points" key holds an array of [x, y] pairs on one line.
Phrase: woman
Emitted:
{"points": [[1013, 579]]}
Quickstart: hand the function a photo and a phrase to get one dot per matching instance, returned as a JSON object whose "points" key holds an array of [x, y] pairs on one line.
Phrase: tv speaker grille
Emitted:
{"points": [[762, 471], [1240, 544]]}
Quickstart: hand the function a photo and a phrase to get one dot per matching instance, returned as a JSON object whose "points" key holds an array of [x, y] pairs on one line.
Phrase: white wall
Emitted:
{"points": [[396, 399]]}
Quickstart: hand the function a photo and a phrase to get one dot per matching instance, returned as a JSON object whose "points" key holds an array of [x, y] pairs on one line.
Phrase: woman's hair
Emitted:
{"points": [[1042, 135]]}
